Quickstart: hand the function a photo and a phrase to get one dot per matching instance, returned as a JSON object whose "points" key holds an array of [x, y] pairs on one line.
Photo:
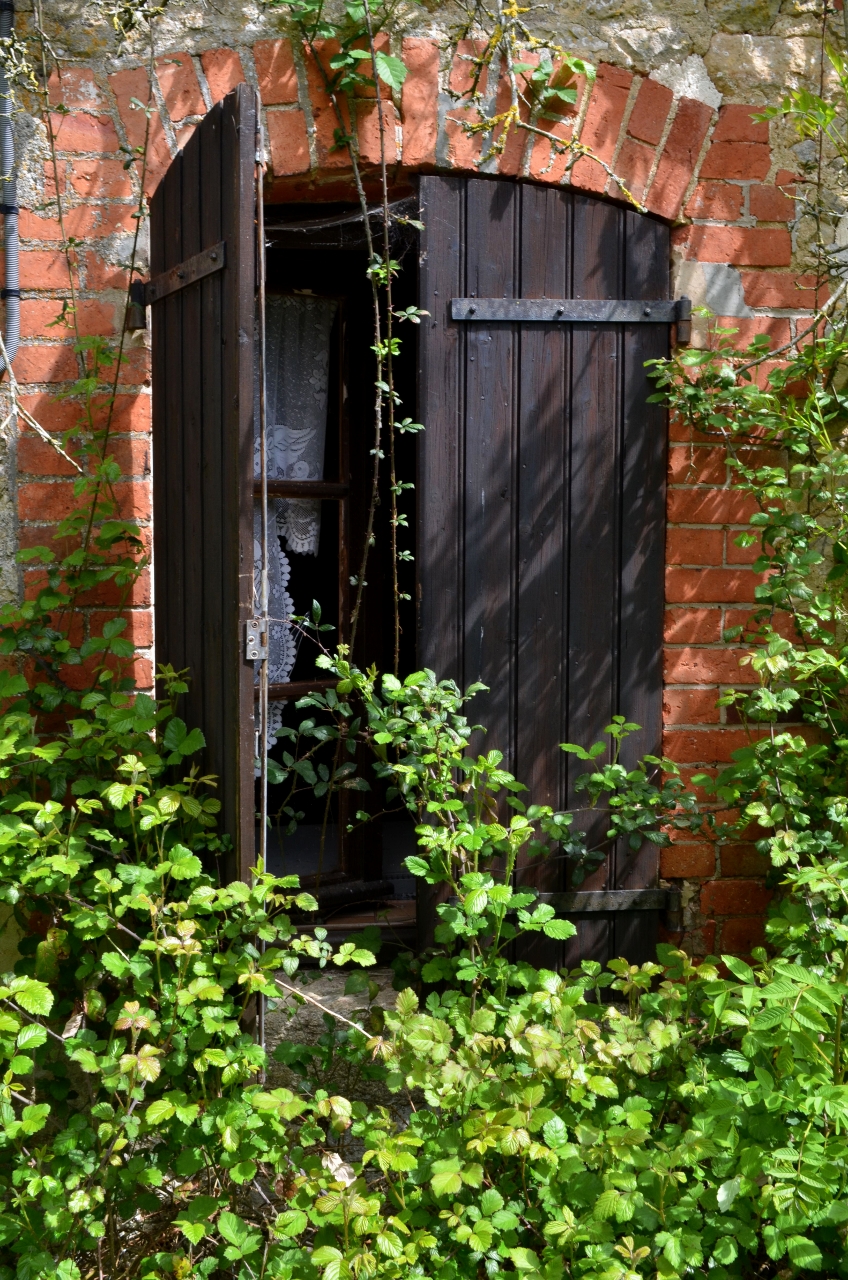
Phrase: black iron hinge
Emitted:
{"points": [[144, 294], [577, 311]]}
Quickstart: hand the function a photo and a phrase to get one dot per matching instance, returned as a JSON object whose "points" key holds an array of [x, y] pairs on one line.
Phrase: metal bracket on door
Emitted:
{"points": [[576, 311], [144, 293]]}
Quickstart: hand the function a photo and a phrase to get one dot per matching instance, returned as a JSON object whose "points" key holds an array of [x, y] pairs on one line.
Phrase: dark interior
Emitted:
{"points": [[322, 250]]}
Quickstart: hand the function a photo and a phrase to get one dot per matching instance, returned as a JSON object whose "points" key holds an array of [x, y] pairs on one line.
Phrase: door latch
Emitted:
{"points": [[255, 639]]}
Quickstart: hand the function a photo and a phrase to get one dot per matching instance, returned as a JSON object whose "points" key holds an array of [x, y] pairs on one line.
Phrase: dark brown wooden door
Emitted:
{"points": [[203, 447], [542, 496]]}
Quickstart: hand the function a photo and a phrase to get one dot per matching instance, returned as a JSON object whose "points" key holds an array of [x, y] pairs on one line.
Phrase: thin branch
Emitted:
{"points": [[284, 986]]}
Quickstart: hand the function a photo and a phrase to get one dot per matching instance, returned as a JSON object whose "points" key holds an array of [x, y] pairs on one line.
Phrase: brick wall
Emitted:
{"points": [[710, 172]]}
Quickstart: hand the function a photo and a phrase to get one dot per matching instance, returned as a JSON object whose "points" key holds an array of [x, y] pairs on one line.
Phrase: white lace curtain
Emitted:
{"points": [[297, 345]]}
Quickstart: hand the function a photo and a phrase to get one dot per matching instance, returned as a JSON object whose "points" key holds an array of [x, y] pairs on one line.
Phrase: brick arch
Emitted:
{"points": [[710, 173]]}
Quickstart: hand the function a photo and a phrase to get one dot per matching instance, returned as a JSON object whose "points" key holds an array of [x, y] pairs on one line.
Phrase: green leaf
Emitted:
{"points": [[33, 996], [159, 1111], [243, 1172], [524, 1259], [804, 1253], [559, 929], [390, 69], [727, 1193], [556, 1133], [290, 1223], [490, 1201]]}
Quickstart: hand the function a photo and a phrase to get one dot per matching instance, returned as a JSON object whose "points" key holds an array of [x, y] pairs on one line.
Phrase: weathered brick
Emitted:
{"points": [[740, 555], [92, 316], [35, 457], [748, 329], [223, 71], [783, 290], [464, 148], [768, 204], [419, 107], [679, 157], [706, 666], [650, 111], [288, 142], [46, 501], [134, 84], [633, 168], [743, 860], [518, 141], [744, 160], [688, 861], [369, 132], [714, 745], [602, 125], [715, 585], [139, 626], [323, 111], [742, 246], [697, 465], [735, 897], [685, 705], [710, 506], [46, 364], [736, 125], [100, 274], [717, 200], [694, 546], [100, 179], [276, 75], [462, 67], [739, 937], [547, 162], [74, 86], [692, 625], [78, 131], [44, 269], [132, 454], [180, 86]]}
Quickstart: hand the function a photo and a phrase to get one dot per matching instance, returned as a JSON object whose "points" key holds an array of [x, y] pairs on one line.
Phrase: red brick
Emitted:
{"points": [[770, 204], [419, 101], [602, 125], [633, 168], [694, 546], [710, 506], [80, 132], [748, 329], [564, 78], [743, 860], [706, 666], [740, 555], [109, 596], [736, 160], [735, 125], [139, 626], [742, 246], [464, 148], [180, 86], [275, 72], [773, 289], [739, 937], [44, 269], [704, 746], [650, 111], [82, 222], [35, 457], [369, 132], [75, 87], [696, 626], [92, 316], [679, 157], [690, 706], [718, 585], [101, 179], [132, 454], [323, 111], [127, 85], [697, 465], [462, 68], [717, 200], [104, 275], [547, 162], [737, 898], [685, 861], [223, 71], [46, 364], [288, 142], [518, 141], [40, 501]]}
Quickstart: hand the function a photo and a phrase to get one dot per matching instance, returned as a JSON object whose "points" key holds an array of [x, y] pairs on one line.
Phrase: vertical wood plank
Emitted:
{"points": [[542, 532], [490, 461], [644, 433], [592, 653]]}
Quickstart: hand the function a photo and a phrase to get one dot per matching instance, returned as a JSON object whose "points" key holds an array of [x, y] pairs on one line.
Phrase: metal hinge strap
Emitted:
{"points": [[593, 900], [202, 264], [572, 310]]}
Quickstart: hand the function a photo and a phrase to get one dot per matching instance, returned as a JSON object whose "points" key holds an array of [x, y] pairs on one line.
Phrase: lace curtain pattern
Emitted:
{"points": [[297, 338]]}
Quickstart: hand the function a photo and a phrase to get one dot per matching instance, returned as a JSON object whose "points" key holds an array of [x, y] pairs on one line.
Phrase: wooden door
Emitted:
{"points": [[203, 373], [542, 498]]}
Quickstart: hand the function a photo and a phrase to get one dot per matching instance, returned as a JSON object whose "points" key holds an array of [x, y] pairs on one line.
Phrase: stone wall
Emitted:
{"points": [[671, 112]]}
